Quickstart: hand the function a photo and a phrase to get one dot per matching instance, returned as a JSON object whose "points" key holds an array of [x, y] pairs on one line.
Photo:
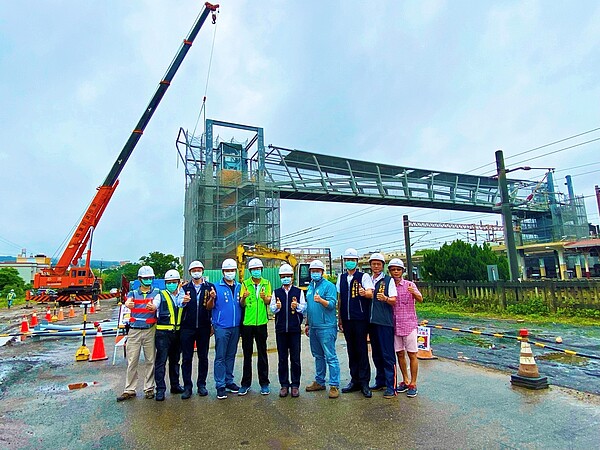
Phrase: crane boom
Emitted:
{"points": [[59, 276]]}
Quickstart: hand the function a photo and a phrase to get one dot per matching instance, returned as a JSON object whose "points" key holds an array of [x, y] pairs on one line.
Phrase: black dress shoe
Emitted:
{"points": [[160, 397], [202, 391], [177, 390], [367, 392], [351, 387], [187, 393]]}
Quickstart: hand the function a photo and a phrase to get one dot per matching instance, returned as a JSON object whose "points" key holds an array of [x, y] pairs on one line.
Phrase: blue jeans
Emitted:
{"points": [[226, 344], [322, 347]]}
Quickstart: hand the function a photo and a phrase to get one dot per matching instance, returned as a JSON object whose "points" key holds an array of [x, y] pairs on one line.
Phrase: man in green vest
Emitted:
{"points": [[10, 297], [255, 297]]}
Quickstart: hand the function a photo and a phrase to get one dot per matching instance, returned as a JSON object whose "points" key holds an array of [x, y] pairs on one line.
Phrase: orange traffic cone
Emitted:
{"points": [[24, 328], [528, 375], [92, 308], [71, 312], [48, 315], [99, 352], [61, 314], [34, 320]]}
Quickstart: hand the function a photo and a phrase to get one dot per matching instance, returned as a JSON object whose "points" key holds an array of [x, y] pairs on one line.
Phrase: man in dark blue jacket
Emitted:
{"points": [[355, 290], [288, 303], [198, 302]]}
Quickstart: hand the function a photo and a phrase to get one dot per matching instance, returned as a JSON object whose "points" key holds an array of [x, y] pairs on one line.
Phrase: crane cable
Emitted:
{"points": [[203, 107]]}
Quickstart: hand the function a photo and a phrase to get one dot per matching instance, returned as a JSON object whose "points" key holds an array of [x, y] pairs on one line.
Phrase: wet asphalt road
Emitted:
{"points": [[460, 405]]}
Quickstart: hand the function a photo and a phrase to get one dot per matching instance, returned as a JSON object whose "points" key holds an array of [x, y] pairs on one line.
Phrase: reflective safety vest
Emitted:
{"points": [[169, 315], [140, 316]]}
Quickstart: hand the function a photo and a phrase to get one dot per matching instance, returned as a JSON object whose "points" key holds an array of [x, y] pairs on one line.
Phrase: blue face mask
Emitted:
{"points": [[256, 273], [351, 265], [146, 281], [286, 280], [316, 276], [171, 287], [229, 276]]}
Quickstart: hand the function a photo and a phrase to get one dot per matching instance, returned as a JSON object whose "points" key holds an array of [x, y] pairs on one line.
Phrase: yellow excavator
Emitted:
{"points": [[246, 251]]}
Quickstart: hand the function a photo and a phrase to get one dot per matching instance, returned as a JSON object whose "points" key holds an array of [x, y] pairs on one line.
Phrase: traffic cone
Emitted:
{"points": [[92, 308], [48, 315], [528, 375], [71, 312], [34, 320], [24, 328], [61, 314], [99, 352]]}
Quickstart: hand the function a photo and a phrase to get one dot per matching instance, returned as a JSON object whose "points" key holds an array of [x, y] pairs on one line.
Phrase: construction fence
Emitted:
{"points": [[550, 296]]}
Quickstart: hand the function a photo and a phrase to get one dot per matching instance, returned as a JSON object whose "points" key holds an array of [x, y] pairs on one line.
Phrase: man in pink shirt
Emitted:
{"points": [[405, 338]]}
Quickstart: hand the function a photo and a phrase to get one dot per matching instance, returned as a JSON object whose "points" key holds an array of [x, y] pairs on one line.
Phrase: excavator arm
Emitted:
{"points": [[245, 251]]}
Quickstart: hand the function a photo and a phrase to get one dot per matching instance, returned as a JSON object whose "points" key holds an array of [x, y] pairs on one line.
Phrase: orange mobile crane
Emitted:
{"points": [[67, 281]]}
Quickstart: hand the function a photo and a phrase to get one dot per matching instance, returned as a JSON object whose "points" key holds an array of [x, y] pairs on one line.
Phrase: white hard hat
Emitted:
{"points": [[350, 253], [146, 271], [172, 275], [229, 264], [255, 263], [396, 262], [195, 265], [316, 264], [377, 257], [286, 269]]}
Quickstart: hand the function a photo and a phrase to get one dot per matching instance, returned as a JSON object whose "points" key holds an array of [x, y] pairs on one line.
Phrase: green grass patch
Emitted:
{"points": [[430, 311]]}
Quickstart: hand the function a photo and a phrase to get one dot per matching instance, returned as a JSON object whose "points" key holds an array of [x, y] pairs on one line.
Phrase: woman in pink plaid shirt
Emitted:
{"points": [[405, 338]]}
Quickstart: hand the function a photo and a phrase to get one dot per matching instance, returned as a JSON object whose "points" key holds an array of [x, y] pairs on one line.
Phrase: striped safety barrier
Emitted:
{"points": [[517, 338]]}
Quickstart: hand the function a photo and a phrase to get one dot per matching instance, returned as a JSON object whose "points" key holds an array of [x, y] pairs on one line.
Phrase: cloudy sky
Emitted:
{"points": [[428, 84]]}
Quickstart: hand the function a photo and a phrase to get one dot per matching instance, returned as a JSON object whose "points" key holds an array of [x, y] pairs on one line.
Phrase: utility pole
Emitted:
{"points": [[509, 233], [598, 198], [409, 266]]}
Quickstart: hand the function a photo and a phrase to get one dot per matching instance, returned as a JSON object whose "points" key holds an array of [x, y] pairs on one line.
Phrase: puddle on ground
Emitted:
{"points": [[564, 359]]}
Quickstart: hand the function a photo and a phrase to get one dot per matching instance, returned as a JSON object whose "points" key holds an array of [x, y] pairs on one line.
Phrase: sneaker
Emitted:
{"points": [[243, 390], [283, 392], [233, 388], [265, 390], [402, 387], [314, 386], [412, 391], [334, 392], [149, 394], [389, 393], [125, 396], [221, 393]]}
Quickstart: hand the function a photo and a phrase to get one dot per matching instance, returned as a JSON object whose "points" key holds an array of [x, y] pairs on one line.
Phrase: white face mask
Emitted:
{"points": [[197, 275], [229, 276]]}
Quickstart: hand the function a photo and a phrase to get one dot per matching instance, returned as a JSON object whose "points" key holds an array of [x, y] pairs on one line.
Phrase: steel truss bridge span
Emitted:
{"points": [[301, 175]]}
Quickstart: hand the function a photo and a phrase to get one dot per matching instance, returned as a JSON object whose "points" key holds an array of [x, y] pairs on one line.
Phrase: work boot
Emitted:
{"points": [[125, 396], [334, 392], [314, 386]]}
